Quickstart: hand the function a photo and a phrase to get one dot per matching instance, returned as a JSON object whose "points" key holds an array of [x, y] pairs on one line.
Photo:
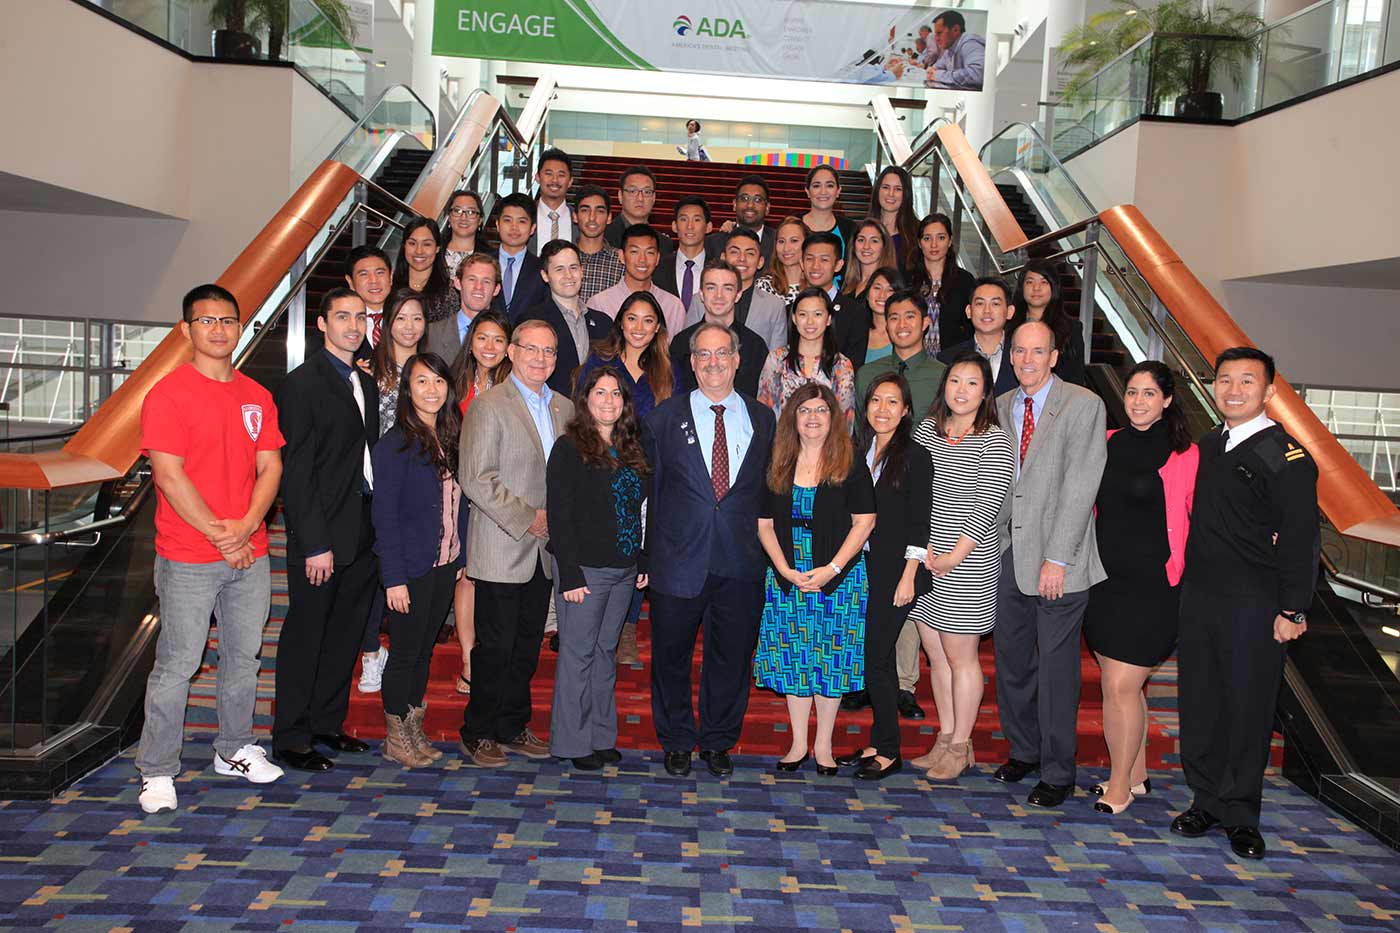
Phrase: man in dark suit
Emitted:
{"points": [[679, 271], [636, 195], [575, 326], [760, 311], [750, 211], [709, 453], [521, 285], [719, 288], [990, 311], [330, 419]]}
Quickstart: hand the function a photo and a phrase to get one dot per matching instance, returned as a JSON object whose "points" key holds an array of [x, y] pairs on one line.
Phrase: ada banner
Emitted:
{"points": [[815, 40]]}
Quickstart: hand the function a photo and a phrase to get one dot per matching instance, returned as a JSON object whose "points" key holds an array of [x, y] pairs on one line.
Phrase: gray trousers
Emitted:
{"points": [[1037, 674], [189, 595], [584, 717]]}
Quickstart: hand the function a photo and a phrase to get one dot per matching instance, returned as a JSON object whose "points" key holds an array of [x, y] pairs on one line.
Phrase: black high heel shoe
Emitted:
{"points": [[788, 767], [827, 771]]}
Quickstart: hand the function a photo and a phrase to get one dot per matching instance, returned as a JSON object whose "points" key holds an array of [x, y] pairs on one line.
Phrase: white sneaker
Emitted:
{"points": [[372, 670], [157, 794], [248, 762]]}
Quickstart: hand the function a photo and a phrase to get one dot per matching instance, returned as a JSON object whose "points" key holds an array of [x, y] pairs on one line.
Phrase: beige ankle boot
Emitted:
{"points": [[627, 651], [930, 758], [957, 757], [399, 746], [414, 722]]}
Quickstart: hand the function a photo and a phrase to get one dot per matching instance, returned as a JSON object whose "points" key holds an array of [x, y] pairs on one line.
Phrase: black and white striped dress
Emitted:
{"points": [[970, 479]]}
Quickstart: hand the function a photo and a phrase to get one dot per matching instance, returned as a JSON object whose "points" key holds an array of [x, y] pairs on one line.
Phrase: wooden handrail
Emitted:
{"points": [[990, 204]]}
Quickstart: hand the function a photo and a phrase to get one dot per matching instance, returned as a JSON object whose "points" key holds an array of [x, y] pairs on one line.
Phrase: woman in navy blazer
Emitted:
{"points": [[420, 523]]}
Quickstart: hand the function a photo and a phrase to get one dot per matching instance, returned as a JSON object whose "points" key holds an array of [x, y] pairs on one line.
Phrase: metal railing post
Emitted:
{"points": [[107, 356], [1089, 275], [296, 319], [358, 223]]}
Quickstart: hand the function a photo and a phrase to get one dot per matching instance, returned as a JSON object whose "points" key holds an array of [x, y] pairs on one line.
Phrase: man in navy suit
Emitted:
{"points": [[990, 310], [522, 288], [575, 326], [709, 451]]}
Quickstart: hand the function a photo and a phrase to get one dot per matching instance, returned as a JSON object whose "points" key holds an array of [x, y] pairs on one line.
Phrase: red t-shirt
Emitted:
{"points": [[218, 427]]}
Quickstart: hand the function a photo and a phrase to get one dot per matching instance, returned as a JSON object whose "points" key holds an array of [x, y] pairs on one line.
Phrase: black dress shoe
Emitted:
{"points": [[554, 642], [341, 742], [1245, 841], [828, 770], [718, 762], [1193, 823], [787, 767], [303, 759], [589, 762], [1015, 769], [1049, 795], [608, 756], [856, 700], [678, 763], [908, 706], [853, 758], [870, 769]]}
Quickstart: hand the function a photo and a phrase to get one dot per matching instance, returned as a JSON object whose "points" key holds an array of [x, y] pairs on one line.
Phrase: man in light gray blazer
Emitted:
{"points": [[478, 284], [1049, 561], [506, 438]]}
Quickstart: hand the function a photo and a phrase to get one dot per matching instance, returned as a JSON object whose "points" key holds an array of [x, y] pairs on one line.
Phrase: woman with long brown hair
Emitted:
{"points": [[637, 347], [892, 202], [818, 510], [461, 233], [932, 268], [422, 266], [785, 278], [871, 250], [596, 482]]}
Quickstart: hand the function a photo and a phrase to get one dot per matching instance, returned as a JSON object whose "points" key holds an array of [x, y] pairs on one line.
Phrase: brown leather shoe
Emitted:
{"points": [[483, 753], [930, 758], [527, 744]]}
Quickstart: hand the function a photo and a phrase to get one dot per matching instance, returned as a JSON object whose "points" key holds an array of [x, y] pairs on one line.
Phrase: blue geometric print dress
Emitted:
{"points": [[811, 644]]}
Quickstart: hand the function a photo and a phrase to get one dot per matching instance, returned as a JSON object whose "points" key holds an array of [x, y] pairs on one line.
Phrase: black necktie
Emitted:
{"points": [[902, 367]]}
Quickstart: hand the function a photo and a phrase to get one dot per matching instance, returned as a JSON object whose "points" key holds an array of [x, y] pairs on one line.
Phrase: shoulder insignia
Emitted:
{"points": [[1293, 452]]}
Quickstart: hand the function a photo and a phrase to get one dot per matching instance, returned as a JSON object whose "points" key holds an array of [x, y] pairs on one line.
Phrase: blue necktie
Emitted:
{"points": [[509, 284]]}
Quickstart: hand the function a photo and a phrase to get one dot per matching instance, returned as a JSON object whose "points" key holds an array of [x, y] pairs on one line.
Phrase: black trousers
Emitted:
{"points": [[412, 636], [730, 611], [509, 627], [883, 623], [1230, 669], [317, 649]]}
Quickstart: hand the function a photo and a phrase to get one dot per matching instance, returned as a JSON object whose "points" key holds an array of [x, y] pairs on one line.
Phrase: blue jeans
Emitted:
{"points": [[189, 595]]}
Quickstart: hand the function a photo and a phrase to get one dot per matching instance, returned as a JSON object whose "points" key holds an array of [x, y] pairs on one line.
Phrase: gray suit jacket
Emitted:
{"points": [[1049, 510], [442, 338], [767, 317], [501, 467]]}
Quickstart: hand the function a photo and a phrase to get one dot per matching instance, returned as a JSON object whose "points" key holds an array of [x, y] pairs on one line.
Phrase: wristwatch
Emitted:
{"points": [[1297, 618], [835, 568]]}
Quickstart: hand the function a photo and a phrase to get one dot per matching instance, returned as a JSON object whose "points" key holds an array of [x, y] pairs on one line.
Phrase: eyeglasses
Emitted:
{"points": [[529, 349], [705, 356], [640, 192], [211, 321], [808, 412], [465, 212], [751, 198]]}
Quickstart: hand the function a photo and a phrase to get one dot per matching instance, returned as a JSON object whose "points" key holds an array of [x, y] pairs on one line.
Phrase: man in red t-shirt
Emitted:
{"points": [[215, 449]]}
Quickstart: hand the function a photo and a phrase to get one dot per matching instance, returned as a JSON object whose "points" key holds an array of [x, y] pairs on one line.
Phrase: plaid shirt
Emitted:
{"points": [[601, 271]]}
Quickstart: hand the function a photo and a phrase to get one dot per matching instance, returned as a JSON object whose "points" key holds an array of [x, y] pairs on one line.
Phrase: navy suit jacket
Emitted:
{"points": [[690, 535], [407, 511], [530, 289], [1006, 376], [599, 326]]}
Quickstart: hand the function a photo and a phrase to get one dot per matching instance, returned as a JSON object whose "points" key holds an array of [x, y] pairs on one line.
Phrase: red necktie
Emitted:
{"points": [[719, 457], [1027, 429], [376, 321]]}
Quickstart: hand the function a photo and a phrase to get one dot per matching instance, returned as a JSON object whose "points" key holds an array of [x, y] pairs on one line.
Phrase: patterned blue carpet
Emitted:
{"points": [[536, 847]]}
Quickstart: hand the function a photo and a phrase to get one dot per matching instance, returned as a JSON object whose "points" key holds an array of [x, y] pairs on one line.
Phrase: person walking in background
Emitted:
{"points": [[810, 356], [694, 149], [818, 510], [420, 522], [973, 462], [598, 478], [1142, 517], [903, 477], [212, 438]]}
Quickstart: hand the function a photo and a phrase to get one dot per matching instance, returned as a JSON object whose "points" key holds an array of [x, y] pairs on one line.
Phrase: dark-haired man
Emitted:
{"points": [[212, 438], [990, 310], [552, 218], [640, 253], [478, 284], [750, 211], [719, 291], [1251, 566], [821, 261], [760, 311], [602, 269], [367, 271], [679, 272], [961, 57], [636, 195], [521, 286], [330, 418], [575, 326]]}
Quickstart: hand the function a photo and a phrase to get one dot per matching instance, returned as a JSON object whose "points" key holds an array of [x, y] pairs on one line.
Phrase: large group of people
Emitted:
{"points": [[822, 442]]}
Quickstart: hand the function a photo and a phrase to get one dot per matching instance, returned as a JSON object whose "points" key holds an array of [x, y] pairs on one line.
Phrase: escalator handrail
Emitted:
{"points": [[1348, 496], [1021, 127], [363, 122]]}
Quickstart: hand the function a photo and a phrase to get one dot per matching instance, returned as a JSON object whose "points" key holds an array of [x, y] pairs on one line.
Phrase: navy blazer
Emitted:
{"points": [[689, 534], [1006, 376], [407, 511], [530, 289], [567, 362]]}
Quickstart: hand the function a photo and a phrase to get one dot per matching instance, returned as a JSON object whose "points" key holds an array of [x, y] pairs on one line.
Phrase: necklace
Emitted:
{"points": [[955, 441]]}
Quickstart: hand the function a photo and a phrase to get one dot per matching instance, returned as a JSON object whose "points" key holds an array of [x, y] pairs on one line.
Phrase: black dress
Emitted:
{"points": [[1132, 616]]}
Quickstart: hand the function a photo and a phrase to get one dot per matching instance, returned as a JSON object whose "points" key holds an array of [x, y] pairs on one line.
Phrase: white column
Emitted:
{"points": [[1061, 16], [425, 68], [982, 106]]}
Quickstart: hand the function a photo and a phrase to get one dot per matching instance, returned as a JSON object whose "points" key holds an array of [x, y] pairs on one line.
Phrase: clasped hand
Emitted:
{"points": [[230, 536], [810, 581]]}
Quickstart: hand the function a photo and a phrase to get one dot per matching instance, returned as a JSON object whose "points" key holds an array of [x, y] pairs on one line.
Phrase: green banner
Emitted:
{"points": [[529, 31]]}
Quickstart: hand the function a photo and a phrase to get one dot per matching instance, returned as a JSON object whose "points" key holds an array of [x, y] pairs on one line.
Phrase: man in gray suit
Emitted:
{"points": [[478, 284], [506, 438], [761, 312], [1049, 560]]}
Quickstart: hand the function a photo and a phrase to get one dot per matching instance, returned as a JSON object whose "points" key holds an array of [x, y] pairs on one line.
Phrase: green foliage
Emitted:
{"points": [[272, 18]]}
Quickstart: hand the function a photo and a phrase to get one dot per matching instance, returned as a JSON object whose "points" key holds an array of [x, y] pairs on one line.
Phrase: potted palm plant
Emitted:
{"points": [[245, 19]]}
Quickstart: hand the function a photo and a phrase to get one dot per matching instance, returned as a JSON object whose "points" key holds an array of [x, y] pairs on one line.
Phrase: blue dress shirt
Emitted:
{"points": [[464, 324], [538, 405], [738, 429]]}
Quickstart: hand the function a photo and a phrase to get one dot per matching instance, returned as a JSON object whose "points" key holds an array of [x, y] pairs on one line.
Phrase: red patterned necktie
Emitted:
{"points": [[376, 322], [719, 456], [1027, 429]]}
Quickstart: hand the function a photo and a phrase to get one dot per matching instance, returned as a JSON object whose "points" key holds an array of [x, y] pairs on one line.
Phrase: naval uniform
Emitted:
{"points": [[1252, 554]]}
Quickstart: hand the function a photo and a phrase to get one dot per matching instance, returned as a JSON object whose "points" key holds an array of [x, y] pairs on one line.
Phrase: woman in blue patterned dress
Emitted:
{"points": [[818, 509]]}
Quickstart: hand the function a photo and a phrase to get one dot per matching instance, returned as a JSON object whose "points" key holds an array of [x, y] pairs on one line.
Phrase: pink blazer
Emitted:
{"points": [[1179, 488]]}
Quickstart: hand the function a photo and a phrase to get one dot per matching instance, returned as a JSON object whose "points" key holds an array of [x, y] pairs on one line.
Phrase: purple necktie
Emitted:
{"points": [[688, 283]]}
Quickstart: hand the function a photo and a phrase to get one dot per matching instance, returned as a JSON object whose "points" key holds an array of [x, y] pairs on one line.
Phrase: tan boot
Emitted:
{"points": [[930, 758], [627, 652], [414, 722], [957, 757], [399, 746]]}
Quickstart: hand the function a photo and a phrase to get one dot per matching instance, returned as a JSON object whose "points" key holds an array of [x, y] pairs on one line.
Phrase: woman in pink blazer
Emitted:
{"points": [[1142, 517]]}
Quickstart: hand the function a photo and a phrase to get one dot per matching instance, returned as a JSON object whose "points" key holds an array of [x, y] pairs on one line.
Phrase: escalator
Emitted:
{"points": [[1339, 709], [72, 673]]}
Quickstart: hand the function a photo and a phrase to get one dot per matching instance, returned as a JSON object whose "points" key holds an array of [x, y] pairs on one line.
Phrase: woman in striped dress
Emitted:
{"points": [[973, 464]]}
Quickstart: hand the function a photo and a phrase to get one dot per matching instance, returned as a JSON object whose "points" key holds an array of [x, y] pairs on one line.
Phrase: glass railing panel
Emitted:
{"points": [[1298, 55]]}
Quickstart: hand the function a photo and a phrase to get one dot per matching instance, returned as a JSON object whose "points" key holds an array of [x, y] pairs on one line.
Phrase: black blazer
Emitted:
{"points": [[530, 290], [832, 509], [853, 329], [1006, 376], [953, 324], [323, 462], [753, 353], [665, 275], [901, 520], [599, 326], [1073, 363], [717, 241]]}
